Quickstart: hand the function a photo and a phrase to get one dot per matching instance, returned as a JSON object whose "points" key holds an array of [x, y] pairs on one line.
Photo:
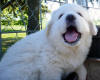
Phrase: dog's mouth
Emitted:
{"points": [[71, 35]]}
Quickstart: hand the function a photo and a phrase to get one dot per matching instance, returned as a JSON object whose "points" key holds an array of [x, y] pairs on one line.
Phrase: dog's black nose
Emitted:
{"points": [[70, 18]]}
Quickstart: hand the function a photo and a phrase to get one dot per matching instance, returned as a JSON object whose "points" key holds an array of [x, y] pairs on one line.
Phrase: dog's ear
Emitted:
{"points": [[93, 28], [48, 27], [50, 23]]}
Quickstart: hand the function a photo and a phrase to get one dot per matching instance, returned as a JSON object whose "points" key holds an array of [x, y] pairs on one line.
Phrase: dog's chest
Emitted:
{"points": [[69, 63]]}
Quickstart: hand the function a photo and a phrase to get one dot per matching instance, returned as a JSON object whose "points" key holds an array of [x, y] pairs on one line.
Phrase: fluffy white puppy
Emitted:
{"points": [[48, 54]]}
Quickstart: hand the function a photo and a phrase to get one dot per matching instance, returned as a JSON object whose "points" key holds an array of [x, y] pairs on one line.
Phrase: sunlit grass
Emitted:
{"points": [[13, 35], [12, 28], [10, 38]]}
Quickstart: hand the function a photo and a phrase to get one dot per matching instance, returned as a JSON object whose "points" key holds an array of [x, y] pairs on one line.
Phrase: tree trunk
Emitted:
{"points": [[33, 16]]}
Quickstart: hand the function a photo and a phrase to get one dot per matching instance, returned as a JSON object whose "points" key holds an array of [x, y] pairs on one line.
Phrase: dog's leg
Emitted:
{"points": [[82, 73]]}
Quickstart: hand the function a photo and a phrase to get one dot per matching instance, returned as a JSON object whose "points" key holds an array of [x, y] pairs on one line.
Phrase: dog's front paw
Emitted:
{"points": [[71, 76]]}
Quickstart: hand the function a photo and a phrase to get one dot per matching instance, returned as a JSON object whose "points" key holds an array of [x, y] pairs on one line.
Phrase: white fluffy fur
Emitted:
{"points": [[44, 55]]}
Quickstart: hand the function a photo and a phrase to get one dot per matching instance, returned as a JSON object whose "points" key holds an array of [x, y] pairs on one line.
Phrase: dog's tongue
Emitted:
{"points": [[71, 36]]}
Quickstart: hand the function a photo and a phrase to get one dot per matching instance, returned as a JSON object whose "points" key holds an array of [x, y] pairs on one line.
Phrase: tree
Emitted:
{"points": [[32, 11], [7, 3], [33, 16]]}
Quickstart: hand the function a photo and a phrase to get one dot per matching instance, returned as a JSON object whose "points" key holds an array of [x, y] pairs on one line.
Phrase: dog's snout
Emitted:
{"points": [[70, 18]]}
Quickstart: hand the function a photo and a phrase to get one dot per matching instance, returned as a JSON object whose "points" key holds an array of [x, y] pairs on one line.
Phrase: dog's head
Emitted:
{"points": [[70, 25]]}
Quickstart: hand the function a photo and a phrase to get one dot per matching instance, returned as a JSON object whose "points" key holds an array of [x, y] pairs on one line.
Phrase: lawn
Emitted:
{"points": [[10, 38]]}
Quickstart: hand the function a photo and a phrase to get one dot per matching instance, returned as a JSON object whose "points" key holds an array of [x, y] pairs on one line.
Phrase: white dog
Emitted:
{"points": [[59, 49]]}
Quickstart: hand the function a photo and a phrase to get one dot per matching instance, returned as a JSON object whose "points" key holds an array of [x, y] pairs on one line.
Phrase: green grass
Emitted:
{"points": [[12, 28], [13, 35], [10, 38]]}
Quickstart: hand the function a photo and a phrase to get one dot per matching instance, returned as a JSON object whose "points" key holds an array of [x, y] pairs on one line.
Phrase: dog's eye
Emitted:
{"points": [[79, 13], [60, 16]]}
